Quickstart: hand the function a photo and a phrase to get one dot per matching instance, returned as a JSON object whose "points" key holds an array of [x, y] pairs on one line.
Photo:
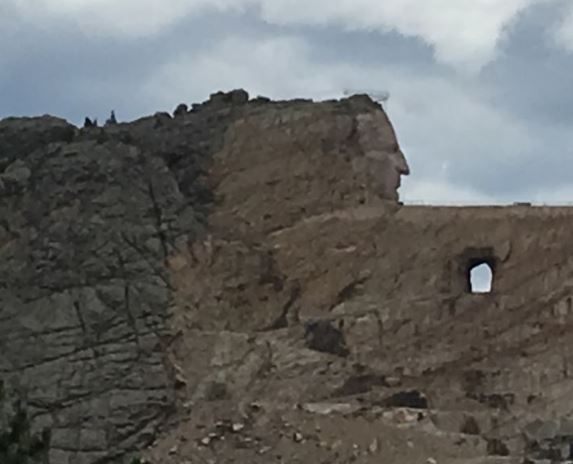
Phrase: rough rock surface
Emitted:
{"points": [[93, 223], [238, 283]]}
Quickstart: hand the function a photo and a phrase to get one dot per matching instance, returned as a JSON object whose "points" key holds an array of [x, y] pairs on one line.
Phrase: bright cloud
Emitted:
{"points": [[563, 34], [464, 33], [258, 65], [115, 18]]}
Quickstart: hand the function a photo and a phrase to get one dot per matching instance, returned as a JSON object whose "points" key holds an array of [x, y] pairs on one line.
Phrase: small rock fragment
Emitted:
{"points": [[255, 406], [373, 448], [406, 416], [180, 110], [330, 408], [297, 437], [237, 427], [180, 381], [393, 381], [337, 444]]}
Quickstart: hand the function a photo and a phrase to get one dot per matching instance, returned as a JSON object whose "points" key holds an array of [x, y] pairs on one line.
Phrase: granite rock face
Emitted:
{"points": [[92, 225], [239, 283], [314, 286]]}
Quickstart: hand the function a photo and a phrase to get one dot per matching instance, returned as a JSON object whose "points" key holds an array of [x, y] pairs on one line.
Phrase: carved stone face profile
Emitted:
{"points": [[379, 144]]}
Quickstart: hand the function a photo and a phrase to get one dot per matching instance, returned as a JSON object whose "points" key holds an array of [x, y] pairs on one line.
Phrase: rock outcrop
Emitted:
{"points": [[93, 226], [239, 283]]}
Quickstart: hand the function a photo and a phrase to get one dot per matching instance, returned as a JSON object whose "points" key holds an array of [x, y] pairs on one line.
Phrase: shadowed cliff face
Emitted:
{"points": [[101, 229]]}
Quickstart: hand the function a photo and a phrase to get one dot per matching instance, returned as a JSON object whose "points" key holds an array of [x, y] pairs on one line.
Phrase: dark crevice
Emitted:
{"points": [[282, 321], [348, 292]]}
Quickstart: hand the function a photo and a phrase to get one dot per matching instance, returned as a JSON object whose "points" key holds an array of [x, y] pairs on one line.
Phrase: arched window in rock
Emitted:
{"points": [[480, 277]]}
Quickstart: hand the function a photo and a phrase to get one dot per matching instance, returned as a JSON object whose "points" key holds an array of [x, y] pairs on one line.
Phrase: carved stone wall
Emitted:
{"points": [[243, 268]]}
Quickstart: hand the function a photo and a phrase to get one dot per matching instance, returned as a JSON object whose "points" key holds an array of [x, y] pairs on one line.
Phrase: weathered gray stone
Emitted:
{"points": [[540, 430], [87, 222]]}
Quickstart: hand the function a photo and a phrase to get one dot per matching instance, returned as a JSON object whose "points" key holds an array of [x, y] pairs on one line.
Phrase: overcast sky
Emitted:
{"points": [[481, 90]]}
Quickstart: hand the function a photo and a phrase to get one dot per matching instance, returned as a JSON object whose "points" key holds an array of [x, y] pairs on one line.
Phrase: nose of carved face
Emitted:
{"points": [[401, 163]]}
